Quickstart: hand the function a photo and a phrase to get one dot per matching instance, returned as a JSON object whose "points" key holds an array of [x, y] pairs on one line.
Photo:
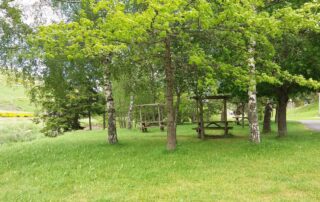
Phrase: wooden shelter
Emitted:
{"points": [[151, 115], [212, 125]]}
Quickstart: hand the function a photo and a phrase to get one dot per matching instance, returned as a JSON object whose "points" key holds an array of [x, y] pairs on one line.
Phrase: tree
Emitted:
{"points": [[95, 35], [267, 118], [13, 32], [296, 58]]}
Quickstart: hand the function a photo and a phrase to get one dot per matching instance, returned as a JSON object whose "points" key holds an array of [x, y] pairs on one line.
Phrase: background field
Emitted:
{"points": [[13, 97], [308, 112], [18, 129]]}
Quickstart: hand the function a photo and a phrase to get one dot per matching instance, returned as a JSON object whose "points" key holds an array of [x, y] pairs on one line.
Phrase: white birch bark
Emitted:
{"points": [[112, 129], [130, 112], [252, 92]]}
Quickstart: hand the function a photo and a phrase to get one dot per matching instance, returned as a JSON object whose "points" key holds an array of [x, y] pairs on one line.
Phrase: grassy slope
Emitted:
{"points": [[13, 97], [18, 130], [309, 112], [80, 166]]}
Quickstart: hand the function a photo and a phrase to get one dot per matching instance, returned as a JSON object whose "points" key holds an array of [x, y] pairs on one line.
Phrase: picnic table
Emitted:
{"points": [[215, 125]]}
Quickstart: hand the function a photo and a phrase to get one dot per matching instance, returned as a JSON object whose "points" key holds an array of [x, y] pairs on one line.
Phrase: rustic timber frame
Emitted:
{"points": [[144, 120], [223, 125]]}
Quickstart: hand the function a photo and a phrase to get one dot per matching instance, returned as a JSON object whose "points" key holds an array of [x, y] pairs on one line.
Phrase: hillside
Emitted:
{"points": [[13, 97], [308, 112]]}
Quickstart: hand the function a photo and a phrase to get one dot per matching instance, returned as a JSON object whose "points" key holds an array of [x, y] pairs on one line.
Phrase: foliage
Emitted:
{"points": [[140, 43]]}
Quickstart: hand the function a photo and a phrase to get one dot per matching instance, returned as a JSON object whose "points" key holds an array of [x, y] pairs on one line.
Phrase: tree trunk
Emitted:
{"points": [[178, 115], [169, 72], [276, 115], [252, 104], [112, 130], [201, 133], [90, 123], [242, 114], [267, 118], [282, 111], [222, 116], [75, 125], [130, 112]]}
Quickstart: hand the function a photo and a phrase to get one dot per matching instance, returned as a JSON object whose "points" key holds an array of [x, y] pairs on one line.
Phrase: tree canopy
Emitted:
{"points": [[166, 49]]}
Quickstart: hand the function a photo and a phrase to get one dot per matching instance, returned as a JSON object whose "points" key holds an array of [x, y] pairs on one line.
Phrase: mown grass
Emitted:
{"points": [[80, 166]]}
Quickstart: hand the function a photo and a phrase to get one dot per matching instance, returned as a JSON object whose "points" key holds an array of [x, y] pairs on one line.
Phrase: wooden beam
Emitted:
{"points": [[212, 97], [150, 105]]}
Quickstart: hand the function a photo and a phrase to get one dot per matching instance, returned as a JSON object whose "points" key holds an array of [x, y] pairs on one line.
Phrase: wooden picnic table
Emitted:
{"points": [[215, 125], [144, 125]]}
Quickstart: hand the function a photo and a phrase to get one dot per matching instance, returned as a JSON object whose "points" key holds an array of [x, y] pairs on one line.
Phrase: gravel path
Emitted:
{"points": [[312, 124]]}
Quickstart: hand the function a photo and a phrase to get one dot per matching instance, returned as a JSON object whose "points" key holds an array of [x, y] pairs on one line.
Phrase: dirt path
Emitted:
{"points": [[312, 124]]}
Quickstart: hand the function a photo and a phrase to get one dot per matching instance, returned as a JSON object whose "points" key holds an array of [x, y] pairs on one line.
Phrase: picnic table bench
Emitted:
{"points": [[144, 125], [215, 125]]}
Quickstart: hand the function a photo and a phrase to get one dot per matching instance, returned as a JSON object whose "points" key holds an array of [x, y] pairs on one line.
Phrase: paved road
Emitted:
{"points": [[312, 124]]}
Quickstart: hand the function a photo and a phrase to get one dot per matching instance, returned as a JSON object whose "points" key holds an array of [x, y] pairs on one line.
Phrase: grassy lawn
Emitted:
{"points": [[308, 112], [80, 166]]}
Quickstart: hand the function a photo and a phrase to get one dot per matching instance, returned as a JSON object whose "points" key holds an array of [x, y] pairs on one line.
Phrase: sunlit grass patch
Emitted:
{"points": [[81, 166]]}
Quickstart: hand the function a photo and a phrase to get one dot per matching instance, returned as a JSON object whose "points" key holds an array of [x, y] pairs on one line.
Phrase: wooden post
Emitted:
{"points": [[90, 124], [140, 117], [145, 115], [226, 116], [153, 114], [197, 111], [202, 132], [243, 105]]}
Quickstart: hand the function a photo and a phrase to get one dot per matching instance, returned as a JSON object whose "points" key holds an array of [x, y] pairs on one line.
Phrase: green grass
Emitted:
{"points": [[18, 130], [309, 112], [13, 97], [80, 166]]}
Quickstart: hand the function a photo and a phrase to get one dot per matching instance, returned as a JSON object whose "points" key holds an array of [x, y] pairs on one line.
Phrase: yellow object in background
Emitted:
{"points": [[15, 114]]}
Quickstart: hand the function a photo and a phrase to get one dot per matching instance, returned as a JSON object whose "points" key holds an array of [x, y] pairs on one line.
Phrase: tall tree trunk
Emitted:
{"points": [[178, 114], [267, 118], [201, 133], [283, 98], [252, 92], [130, 112], [112, 129], [242, 114], [90, 123], [169, 72], [276, 115], [75, 125]]}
